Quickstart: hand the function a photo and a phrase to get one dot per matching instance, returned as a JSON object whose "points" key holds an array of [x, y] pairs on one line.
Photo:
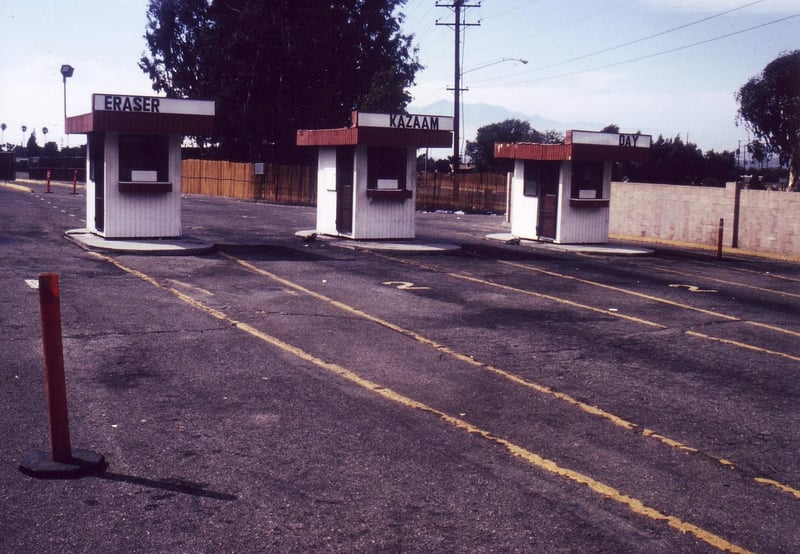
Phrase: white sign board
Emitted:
{"points": [[405, 121], [150, 104], [629, 140]]}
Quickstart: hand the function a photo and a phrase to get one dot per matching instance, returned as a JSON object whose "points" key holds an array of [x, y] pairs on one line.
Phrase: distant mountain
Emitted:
{"points": [[475, 116]]}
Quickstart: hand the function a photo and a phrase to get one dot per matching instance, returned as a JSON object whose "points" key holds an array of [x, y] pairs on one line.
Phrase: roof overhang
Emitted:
{"points": [[397, 130], [144, 115], [581, 146]]}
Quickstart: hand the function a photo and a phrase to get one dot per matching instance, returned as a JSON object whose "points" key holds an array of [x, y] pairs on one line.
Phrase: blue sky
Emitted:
{"points": [[688, 91], [579, 70]]}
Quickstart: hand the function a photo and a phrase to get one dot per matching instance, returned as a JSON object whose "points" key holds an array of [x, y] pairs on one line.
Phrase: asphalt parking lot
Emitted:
{"points": [[276, 395]]}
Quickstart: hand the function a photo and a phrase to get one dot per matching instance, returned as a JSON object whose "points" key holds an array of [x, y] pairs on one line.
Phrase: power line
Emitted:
{"points": [[591, 15], [656, 54], [636, 41]]}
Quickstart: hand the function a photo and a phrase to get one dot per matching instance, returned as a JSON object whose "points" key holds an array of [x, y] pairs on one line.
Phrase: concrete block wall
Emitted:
{"points": [[769, 221]]}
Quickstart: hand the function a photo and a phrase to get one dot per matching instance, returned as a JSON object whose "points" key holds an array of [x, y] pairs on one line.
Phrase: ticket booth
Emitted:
{"points": [[367, 173], [133, 158], [561, 192]]}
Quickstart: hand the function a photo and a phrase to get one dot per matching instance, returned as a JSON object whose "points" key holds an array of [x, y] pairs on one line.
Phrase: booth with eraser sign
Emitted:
{"points": [[133, 158]]}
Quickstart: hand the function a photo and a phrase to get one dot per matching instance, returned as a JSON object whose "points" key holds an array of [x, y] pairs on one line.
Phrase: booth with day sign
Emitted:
{"points": [[133, 158], [561, 192], [366, 175]]}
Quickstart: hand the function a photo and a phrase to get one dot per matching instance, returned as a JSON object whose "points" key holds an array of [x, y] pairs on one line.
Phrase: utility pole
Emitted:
{"points": [[457, 6]]}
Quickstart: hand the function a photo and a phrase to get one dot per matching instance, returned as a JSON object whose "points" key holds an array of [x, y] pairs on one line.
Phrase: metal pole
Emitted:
{"points": [[457, 100], [719, 237]]}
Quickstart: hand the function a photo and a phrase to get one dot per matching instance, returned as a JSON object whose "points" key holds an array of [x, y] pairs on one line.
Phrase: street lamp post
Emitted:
{"points": [[457, 147], [520, 60], [66, 71]]}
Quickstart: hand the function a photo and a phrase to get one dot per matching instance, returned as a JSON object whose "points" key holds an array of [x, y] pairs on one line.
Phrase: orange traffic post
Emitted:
{"points": [[74, 181], [61, 461], [48, 181], [55, 382]]}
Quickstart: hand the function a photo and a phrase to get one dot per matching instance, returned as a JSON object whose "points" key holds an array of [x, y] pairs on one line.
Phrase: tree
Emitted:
{"points": [[769, 105], [275, 66], [759, 152], [481, 151], [719, 168], [33, 147]]}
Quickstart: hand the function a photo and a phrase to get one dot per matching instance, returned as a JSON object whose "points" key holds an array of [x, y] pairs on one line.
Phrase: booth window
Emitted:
{"points": [[540, 175], [587, 180], [386, 168], [143, 158]]}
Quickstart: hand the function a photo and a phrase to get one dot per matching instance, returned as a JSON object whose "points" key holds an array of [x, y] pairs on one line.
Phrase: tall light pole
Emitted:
{"points": [[66, 71]]}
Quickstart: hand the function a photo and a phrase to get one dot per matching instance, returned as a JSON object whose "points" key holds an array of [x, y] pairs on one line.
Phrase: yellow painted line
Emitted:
{"points": [[538, 387], [708, 248], [794, 492], [594, 410], [732, 283], [621, 290], [549, 297], [616, 420], [12, 186], [671, 442], [549, 466], [744, 345], [680, 305]]}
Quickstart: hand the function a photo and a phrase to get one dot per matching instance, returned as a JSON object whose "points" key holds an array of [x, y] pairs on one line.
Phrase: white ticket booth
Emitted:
{"points": [[366, 176], [133, 158], [561, 192]]}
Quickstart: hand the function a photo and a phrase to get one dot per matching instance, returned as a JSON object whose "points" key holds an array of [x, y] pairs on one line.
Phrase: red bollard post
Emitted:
{"points": [[55, 382], [48, 181], [74, 181], [61, 461]]}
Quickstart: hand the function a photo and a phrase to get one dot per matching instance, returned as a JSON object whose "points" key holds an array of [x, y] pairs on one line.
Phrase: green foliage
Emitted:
{"points": [[32, 148], [769, 105], [673, 161], [275, 66], [481, 151]]}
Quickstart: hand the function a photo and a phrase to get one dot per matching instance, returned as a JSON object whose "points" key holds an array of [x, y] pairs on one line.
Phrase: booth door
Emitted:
{"points": [[344, 188], [97, 174], [548, 211]]}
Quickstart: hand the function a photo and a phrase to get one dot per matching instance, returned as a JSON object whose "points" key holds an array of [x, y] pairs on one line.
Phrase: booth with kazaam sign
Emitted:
{"points": [[366, 174], [133, 158], [561, 192]]}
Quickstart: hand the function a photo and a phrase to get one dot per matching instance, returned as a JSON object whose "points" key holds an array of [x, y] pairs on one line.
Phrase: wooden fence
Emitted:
{"points": [[477, 192], [283, 184]]}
